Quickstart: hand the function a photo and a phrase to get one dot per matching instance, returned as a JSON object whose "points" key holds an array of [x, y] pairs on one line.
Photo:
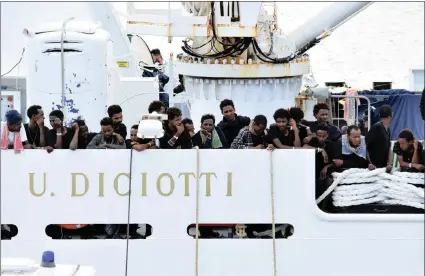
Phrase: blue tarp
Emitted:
{"points": [[406, 113], [379, 95], [389, 92]]}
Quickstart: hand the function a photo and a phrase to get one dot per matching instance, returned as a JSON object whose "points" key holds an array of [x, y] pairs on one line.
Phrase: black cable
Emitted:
{"points": [[195, 48], [22, 55], [221, 8], [214, 31], [230, 49], [240, 45]]}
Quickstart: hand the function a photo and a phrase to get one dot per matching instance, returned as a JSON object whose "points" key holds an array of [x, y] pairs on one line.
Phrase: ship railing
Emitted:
{"points": [[352, 104]]}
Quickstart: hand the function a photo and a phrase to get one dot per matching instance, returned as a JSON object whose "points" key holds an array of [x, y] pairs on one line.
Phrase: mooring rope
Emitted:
{"points": [[197, 214], [273, 214], [362, 186]]}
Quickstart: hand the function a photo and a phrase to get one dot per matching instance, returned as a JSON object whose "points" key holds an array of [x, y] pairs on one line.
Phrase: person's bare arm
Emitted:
{"points": [[40, 124], [297, 141], [59, 136], [42, 136], [309, 137], [140, 147], [390, 158], [307, 146], [94, 143], [279, 145], [59, 133], [27, 145], [415, 158], [74, 142], [402, 163], [116, 146], [308, 131]]}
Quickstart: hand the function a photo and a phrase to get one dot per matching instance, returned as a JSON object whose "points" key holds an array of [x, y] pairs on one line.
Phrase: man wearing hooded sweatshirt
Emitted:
{"points": [[231, 123]]}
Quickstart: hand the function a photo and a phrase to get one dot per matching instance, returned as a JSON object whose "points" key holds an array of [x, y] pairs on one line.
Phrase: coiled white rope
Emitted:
{"points": [[363, 186]]}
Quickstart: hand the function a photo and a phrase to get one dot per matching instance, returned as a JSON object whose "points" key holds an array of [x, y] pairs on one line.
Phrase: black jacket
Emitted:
{"points": [[231, 128], [197, 140]]}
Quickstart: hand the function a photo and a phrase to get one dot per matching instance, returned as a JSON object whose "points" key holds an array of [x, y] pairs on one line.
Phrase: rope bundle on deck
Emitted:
{"points": [[362, 186]]}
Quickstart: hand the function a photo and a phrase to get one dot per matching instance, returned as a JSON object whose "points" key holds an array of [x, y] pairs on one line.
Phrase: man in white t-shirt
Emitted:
{"points": [[11, 137], [14, 125]]}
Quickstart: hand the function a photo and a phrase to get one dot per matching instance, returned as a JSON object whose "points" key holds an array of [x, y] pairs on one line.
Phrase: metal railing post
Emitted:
{"points": [[357, 97]]}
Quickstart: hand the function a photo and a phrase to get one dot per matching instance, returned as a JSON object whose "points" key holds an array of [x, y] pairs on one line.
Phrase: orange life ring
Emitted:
{"points": [[73, 226]]}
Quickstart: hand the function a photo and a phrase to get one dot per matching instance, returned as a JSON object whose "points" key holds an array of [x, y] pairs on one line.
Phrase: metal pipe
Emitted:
{"points": [[63, 62], [170, 38], [327, 20]]}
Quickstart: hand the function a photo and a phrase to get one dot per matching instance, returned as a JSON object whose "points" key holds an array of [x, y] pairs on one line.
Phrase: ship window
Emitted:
{"points": [[382, 85], [335, 84], [65, 42], [241, 230], [97, 231], [8, 231], [58, 50]]}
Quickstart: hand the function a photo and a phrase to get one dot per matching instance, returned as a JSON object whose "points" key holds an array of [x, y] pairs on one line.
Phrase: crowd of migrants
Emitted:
{"points": [[336, 149]]}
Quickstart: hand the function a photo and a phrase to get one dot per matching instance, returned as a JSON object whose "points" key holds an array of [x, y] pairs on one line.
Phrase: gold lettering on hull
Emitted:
{"points": [[116, 184], [165, 184], [32, 190], [159, 186], [186, 181], [229, 184], [74, 184], [101, 185]]}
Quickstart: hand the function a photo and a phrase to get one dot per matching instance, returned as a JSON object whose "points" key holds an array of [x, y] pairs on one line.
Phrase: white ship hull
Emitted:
{"points": [[323, 244]]}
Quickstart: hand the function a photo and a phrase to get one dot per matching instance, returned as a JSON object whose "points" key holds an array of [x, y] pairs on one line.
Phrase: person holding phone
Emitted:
{"points": [[176, 135], [60, 136], [284, 133]]}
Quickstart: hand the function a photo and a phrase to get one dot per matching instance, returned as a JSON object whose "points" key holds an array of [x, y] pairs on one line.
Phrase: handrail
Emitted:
{"points": [[357, 97]]}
